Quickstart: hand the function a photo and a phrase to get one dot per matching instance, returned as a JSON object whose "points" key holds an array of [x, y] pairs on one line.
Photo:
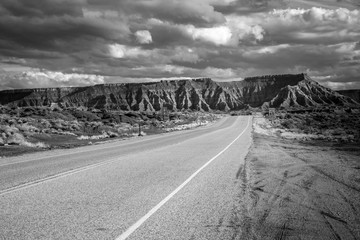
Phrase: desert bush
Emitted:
{"points": [[40, 124], [288, 123], [96, 124], [94, 137], [59, 124], [10, 121], [37, 145], [112, 134], [16, 139], [27, 128], [4, 109], [66, 133], [4, 117], [111, 117], [57, 116], [337, 132], [85, 116], [123, 128], [53, 131], [8, 130], [74, 126]]}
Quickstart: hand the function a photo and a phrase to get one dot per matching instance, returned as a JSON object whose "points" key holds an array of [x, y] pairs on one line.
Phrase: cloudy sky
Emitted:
{"points": [[50, 43]]}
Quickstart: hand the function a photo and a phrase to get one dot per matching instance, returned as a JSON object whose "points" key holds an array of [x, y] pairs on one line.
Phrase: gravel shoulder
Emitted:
{"points": [[291, 189]]}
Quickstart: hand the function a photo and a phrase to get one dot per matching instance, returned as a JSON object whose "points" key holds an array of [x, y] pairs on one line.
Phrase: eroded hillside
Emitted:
{"points": [[196, 94]]}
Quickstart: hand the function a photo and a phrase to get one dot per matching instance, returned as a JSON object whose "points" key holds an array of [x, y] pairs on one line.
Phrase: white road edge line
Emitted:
{"points": [[136, 225]]}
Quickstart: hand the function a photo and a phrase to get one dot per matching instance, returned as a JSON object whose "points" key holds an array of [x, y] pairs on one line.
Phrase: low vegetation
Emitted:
{"points": [[35, 128], [332, 125]]}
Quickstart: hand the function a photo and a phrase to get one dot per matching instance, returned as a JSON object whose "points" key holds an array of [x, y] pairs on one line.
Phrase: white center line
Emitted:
{"points": [[136, 225]]}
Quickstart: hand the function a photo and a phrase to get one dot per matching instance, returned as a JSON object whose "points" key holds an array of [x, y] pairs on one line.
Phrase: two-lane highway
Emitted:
{"points": [[179, 185]]}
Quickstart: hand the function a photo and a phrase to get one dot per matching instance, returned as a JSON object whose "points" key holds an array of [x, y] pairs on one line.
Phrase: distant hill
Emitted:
{"points": [[197, 94], [353, 93]]}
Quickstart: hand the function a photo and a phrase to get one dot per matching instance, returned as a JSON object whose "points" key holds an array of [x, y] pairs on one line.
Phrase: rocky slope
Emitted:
{"points": [[308, 93], [352, 93], [196, 94]]}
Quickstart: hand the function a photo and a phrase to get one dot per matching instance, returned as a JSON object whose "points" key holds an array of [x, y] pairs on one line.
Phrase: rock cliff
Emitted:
{"points": [[196, 94], [308, 93], [352, 93]]}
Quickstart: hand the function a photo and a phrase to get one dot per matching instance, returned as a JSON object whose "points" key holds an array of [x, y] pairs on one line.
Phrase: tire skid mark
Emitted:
{"points": [[332, 216], [307, 183], [348, 201], [327, 215], [240, 171], [284, 198], [282, 234], [333, 232], [319, 170]]}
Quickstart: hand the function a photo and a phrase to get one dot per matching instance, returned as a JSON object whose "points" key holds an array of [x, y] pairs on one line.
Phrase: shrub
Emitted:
{"points": [[7, 130], [85, 116], [16, 139], [27, 128], [288, 123], [112, 134]]}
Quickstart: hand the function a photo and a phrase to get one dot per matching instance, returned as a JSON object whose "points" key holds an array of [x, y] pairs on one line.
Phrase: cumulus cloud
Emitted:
{"points": [[218, 73], [271, 49], [217, 35], [122, 51], [200, 13], [341, 85], [143, 37], [245, 30], [233, 32]]}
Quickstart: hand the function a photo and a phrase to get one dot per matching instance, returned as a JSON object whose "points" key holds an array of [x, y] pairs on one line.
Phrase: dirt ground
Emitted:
{"points": [[298, 190]]}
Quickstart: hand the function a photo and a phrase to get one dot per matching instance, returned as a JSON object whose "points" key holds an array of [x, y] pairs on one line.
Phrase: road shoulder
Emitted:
{"points": [[289, 189]]}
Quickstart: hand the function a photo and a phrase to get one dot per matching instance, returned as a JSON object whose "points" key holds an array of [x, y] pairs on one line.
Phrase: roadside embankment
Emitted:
{"points": [[292, 189]]}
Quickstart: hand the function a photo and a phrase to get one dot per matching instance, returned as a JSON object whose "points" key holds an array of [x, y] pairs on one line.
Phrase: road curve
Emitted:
{"points": [[103, 191]]}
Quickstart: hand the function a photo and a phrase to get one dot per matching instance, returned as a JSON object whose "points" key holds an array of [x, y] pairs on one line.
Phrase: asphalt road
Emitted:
{"points": [[180, 185]]}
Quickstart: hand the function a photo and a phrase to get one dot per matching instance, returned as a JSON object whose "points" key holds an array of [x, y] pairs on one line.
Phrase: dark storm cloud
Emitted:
{"points": [[48, 29], [223, 39], [53, 32], [165, 34], [42, 8]]}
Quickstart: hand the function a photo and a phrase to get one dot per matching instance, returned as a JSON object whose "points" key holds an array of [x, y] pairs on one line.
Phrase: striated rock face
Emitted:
{"points": [[353, 93], [308, 93], [196, 94]]}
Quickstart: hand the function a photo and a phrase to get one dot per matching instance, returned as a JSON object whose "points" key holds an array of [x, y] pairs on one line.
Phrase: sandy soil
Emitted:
{"points": [[294, 190]]}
